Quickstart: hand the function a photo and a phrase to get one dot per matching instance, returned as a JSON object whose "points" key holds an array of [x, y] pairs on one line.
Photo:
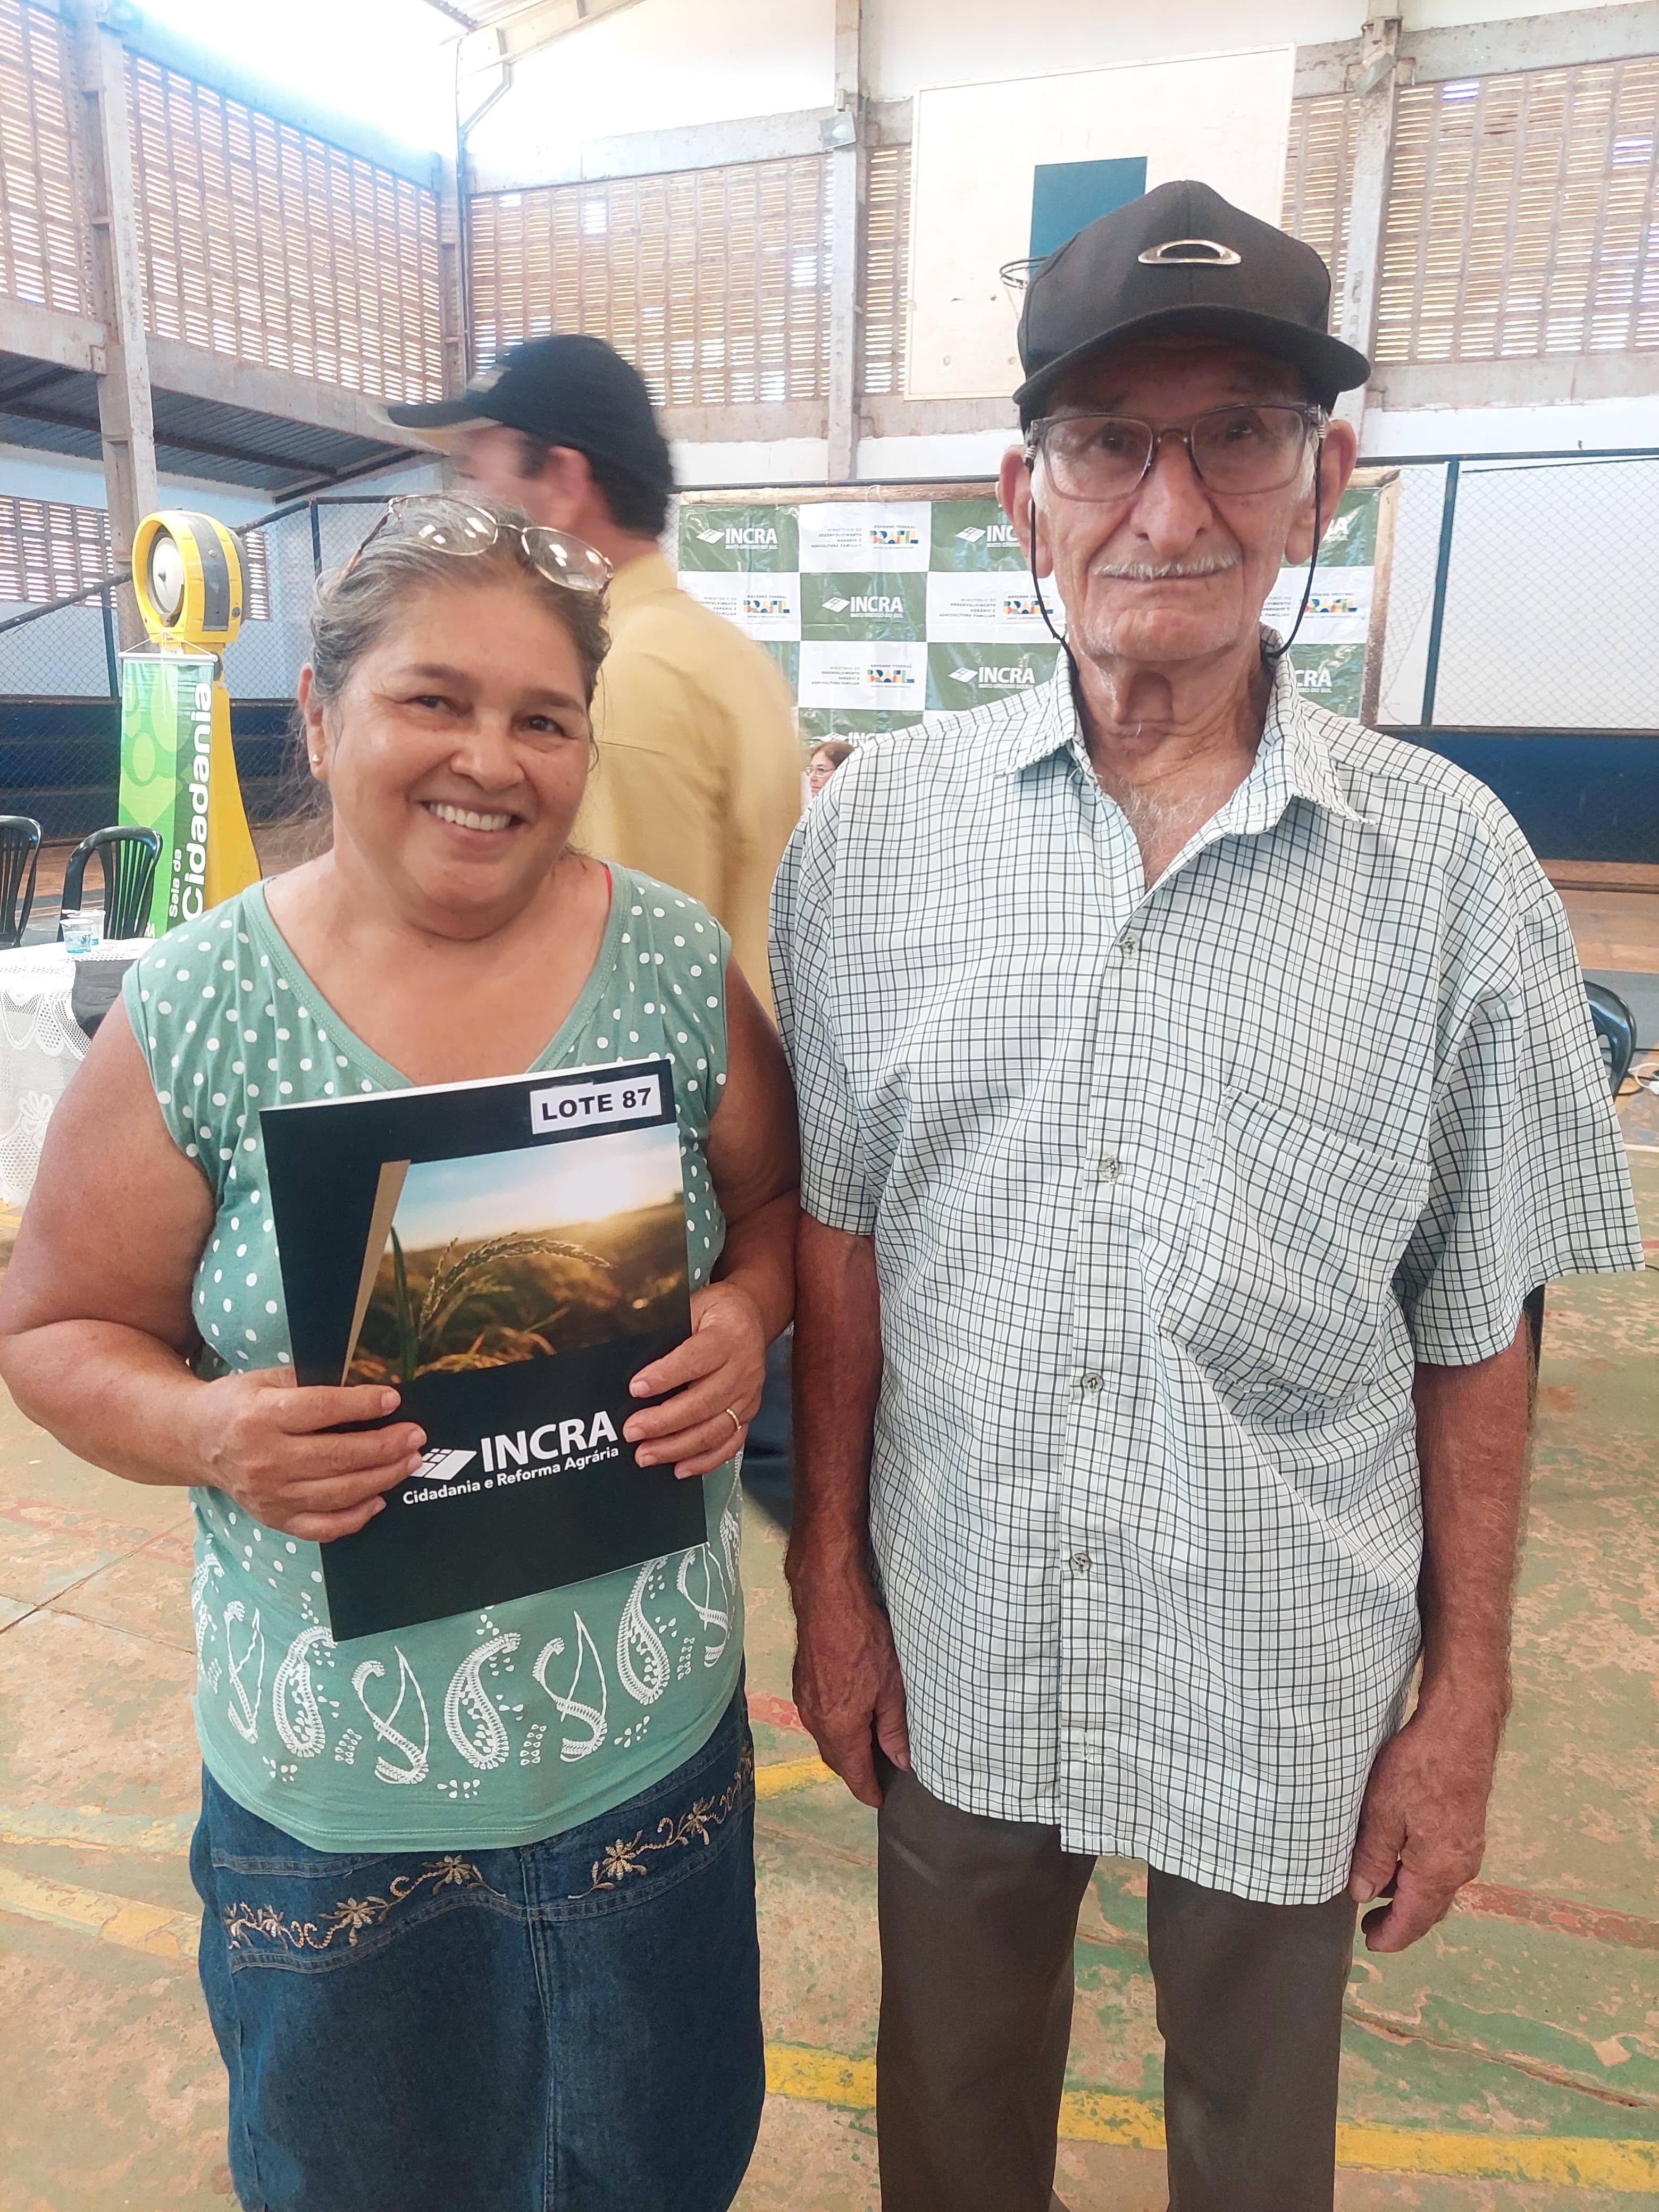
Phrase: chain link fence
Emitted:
{"points": [[60, 676], [1523, 594], [1520, 639]]}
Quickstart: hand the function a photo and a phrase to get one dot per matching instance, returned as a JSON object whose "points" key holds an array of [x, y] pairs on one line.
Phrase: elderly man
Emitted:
{"points": [[1193, 1086]]}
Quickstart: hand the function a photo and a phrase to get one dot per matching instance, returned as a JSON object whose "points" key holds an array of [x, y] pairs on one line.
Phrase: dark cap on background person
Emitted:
{"points": [[1182, 262], [566, 390]]}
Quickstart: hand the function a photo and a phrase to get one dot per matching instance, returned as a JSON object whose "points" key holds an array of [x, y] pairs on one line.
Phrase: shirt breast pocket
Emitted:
{"points": [[1283, 1293]]}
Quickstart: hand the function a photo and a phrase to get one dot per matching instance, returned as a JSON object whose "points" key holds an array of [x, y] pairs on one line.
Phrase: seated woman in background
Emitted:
{"points": [[826, 758], [463, 1946]]}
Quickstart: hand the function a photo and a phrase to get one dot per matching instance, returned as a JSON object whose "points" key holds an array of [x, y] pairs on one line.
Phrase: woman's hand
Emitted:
{"points": [[715, 1376], [265, 1441]]}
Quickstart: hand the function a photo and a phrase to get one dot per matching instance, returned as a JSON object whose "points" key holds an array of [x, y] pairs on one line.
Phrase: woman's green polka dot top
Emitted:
{"points": [[489, 1729]]}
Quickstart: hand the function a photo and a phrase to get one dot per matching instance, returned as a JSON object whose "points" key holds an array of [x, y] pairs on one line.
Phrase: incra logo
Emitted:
{"points": [[999, 533], [739, 537], [1015, 673], [1314, 679], [441, 1466], [866, 604]]}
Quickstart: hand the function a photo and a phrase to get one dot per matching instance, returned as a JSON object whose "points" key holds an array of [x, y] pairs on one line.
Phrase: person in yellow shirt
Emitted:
{"points": [[699, 781]]}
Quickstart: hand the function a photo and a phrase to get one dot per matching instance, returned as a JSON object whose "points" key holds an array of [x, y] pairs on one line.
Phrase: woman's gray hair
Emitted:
{"points": [[353, 607]]}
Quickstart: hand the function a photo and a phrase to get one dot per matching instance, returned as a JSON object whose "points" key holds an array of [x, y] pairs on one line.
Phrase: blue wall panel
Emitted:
{"points": [[1576, 798], [1066, 196], [60, 759]]}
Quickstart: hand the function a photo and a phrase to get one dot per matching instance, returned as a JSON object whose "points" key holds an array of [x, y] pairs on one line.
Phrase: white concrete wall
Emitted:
{"points": [[26, 474], [1588, 426], [1444, 14], [1596, 426], [716, 467], [912, 43], [666, 65], [661, 66]]}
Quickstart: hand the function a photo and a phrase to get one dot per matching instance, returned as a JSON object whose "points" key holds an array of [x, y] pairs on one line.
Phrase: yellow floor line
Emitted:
{"points": [[791, 1774], [1584, 2161], [151, 1928], [825, 2077], [81, 1828]]}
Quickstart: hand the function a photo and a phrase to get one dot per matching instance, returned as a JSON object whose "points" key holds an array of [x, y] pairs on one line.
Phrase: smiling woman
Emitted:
{"points": [[451, 933]]}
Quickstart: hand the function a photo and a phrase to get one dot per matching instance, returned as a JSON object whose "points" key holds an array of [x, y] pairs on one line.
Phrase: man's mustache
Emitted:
{"points": [[1159, 572]]}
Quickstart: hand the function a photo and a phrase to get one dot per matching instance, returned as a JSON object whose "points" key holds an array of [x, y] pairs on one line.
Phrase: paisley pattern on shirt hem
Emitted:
{"points": [[244, 1921], [628, 1856]]}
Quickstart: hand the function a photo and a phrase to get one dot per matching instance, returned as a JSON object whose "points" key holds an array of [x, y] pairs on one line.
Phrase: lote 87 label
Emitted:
{"points": [[582, 1105]]}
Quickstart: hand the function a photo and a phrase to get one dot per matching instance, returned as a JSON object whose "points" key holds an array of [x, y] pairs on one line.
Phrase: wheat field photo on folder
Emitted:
{"points": [[506, 1256]]}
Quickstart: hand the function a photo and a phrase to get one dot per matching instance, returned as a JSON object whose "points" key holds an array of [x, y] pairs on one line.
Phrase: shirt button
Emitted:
{"points": [[1128, 946], [1109, 1170], [1091, 1383], [1079, 1562]]}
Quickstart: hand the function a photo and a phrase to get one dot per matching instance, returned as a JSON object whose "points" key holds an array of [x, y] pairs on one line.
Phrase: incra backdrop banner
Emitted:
{"points": [[883, 614]]}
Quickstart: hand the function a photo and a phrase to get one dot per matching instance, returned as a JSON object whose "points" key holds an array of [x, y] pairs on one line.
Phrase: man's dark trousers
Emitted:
{"points": [[978, 1920]]}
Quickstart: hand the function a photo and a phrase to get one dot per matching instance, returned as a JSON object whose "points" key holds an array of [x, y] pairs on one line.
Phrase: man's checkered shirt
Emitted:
{"points": [[1169, 1190]]}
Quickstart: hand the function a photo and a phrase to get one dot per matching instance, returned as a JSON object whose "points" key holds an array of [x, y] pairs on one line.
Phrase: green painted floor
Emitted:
{"points": [[1511, 2060]]}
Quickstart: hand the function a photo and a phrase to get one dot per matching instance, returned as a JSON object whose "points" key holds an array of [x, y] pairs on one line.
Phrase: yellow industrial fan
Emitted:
{"points": [[178, 766]]}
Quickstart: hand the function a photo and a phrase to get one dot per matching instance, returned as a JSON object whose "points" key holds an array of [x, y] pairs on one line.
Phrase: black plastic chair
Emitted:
{"points": [[96, 988], [128, 857], [20, 856], [1615, 1031]]}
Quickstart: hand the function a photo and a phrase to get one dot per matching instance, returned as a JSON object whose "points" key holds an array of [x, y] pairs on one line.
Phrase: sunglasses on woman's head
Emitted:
{"points": [[456, 526]]}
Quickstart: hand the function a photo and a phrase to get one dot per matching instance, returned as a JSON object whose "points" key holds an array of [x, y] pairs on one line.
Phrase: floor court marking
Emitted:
{"points": [[81, 1827], [774, 1712], [825, 2077], [1566, 1915], [78, 1521], [153, 1930], [791, 1774]]}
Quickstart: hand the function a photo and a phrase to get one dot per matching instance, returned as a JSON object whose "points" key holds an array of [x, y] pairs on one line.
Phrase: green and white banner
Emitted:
{"points": [[887, 613], [1329, 656], [167, 754]]}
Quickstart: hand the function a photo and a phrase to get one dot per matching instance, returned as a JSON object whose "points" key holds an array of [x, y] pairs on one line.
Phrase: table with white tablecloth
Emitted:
{"points": [[41, 1045]]}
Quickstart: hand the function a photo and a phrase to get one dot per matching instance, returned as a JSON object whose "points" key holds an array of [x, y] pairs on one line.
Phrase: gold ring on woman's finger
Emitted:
{"points": [[736, 1424]]}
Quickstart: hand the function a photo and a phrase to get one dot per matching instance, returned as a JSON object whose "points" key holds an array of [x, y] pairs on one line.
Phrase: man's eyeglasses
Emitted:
{"points": [[456, 526], [1232, 449]]}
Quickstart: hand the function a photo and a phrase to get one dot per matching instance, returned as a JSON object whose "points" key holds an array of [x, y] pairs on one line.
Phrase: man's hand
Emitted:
{"points": [[1423, 1824], [848, 1690]]}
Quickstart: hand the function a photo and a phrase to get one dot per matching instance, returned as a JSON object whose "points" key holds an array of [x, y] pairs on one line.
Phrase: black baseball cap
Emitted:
{"points": [[567, 389], [1182, 262]]}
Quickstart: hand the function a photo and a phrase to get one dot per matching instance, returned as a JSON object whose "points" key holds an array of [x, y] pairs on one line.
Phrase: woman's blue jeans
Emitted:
{"points": [[574, 2026]]}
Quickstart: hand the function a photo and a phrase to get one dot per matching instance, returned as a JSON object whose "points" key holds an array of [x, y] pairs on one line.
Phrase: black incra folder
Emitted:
{"points": [[506, 1255]]}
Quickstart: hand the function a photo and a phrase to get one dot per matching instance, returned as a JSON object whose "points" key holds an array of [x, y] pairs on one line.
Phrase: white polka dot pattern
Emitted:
{"points": [[292, 1047]]}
